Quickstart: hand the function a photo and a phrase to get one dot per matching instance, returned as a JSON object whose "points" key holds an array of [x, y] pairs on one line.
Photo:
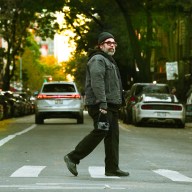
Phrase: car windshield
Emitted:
{"points": [[58, 88], [151, 89]]}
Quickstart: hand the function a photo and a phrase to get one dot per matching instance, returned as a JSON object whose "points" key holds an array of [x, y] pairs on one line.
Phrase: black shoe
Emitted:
{"points": [[118, 173], [70, 165]]}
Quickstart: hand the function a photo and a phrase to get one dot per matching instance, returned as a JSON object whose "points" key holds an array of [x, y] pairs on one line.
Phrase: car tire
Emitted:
{"points": [[129, 118], [38, 119], [181, 125], [134, 119], [80, 119], [1, 112], [138, 124], [125, 118]]}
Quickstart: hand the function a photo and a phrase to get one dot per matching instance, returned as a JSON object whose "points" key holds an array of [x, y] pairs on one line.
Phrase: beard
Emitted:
{"points": [[110, 51]]}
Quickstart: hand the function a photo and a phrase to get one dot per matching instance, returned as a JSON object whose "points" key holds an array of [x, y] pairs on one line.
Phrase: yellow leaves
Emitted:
{"points": [[48, 60]]}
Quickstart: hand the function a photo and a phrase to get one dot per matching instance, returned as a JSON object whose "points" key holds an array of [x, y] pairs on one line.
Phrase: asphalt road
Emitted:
{"points": [[31, 158]]}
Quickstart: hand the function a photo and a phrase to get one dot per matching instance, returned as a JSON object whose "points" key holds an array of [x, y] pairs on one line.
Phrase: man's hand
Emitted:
{"points": [[103, 111]]}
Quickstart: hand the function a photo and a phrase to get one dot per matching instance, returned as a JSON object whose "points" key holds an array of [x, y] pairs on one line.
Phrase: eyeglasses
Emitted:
{"points": [[109, 43]]}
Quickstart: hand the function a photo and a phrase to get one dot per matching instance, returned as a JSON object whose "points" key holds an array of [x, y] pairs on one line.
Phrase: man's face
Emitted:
{"points": [[108, 46]]}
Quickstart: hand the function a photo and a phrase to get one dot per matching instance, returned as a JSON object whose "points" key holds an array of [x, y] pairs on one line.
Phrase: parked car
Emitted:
{"points": [[189, 104], [135, 92], [15, 105], [26, 100], [158, 108], [4, 101], [32, 101], [122, 108], [1, 111], [59, 100], [20, 105]]}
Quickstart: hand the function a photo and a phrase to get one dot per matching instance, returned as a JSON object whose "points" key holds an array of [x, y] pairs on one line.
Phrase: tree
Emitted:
{"points": [[76, 67], [118, 20], [32, 69], [17, 18], [51, 68], [88, 18], [140, 20]]}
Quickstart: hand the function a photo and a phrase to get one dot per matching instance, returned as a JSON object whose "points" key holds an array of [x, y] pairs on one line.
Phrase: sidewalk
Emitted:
{"points": [[188, 125]]}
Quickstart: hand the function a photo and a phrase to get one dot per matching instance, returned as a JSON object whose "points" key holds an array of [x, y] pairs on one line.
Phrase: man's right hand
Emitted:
{"points": [[103, 111]]}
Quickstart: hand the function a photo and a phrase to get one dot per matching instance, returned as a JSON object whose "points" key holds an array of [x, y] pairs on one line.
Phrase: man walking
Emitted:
{"points": [[103, 96]]}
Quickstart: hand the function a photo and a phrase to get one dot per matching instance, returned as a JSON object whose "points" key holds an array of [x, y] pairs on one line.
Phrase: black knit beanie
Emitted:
{"points": [[103, 36]]}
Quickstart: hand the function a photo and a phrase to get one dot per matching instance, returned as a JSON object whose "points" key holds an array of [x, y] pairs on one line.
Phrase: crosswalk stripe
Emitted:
{"points": [[28, 171], [99, 172], [173, 175]]}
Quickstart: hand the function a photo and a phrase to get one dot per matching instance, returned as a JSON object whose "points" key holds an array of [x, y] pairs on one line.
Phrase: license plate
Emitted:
{"points": [[58, 101], [161, 114]]}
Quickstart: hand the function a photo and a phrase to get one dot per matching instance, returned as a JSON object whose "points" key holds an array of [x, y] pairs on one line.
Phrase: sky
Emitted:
{"points": [[63, 45]]}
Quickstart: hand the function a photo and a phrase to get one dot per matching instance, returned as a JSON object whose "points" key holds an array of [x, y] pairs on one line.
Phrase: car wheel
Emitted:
{"points": [[1, 112], [129, 119], [134, 118], [80, 119], [124, 118], [38, 119], [181, 125], [138, 124]]}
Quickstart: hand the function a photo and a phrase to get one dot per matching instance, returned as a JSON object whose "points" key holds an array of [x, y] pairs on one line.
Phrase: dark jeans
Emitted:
{"points": [[111, 140]]}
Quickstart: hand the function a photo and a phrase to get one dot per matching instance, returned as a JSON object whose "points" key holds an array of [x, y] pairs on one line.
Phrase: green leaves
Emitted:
{"points": [[17, 19]]}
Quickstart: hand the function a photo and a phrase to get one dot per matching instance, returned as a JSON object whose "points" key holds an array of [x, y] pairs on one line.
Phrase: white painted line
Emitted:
{"points": [[99, 172], [64, 186], [67, 188], [28, 171], [9, 137], [173, 175], [26, 130], [6, 139]]}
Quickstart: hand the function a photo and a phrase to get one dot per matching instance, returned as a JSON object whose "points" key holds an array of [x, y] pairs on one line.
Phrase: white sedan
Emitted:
{"points": [[158, 108]]}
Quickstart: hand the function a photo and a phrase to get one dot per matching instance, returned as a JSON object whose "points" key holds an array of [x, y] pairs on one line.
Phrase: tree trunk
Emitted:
{"points": [[6, 74], [148, 46], [143, 71]]}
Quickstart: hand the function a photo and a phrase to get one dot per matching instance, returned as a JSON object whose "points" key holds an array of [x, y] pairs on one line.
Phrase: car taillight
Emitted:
{"points": [[132, 99], [177, 108], [146, 107], [71, 96], [41, 96], [162, 107]]}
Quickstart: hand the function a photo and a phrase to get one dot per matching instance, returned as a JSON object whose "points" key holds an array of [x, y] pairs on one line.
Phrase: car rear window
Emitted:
{"points": [[58, 88], [151, 89]]}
